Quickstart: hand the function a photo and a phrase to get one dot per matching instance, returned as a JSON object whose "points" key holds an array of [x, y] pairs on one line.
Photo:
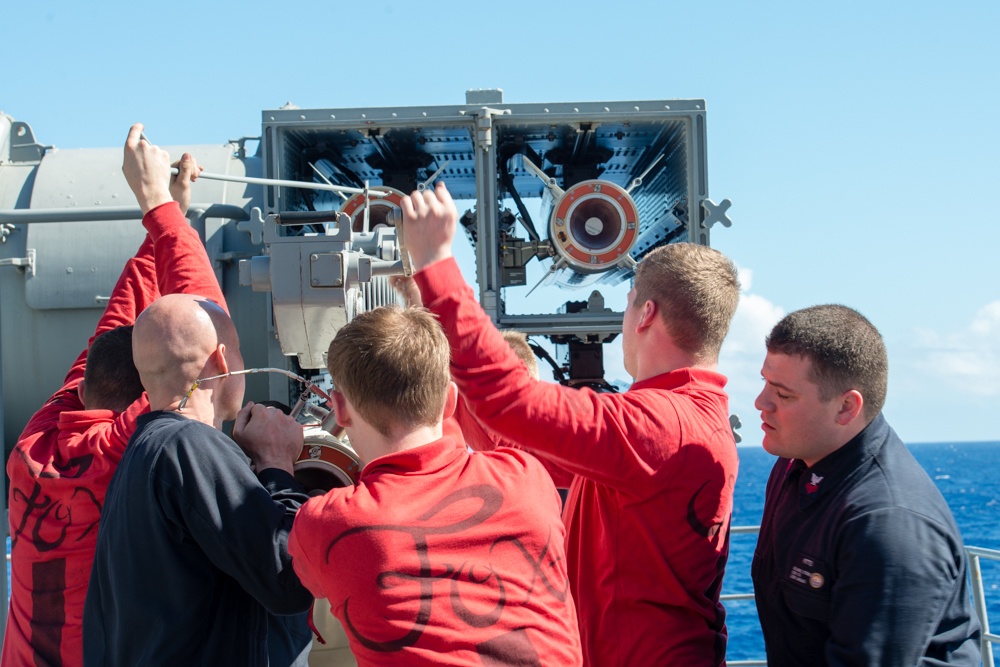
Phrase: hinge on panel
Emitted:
{"points": [[27, 262], [484, 126]]}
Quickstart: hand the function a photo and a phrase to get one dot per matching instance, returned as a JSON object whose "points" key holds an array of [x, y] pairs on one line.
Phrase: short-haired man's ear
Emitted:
{"points": [[451, 401], [852, 405], [81, 393], [648, 315], [341, 411]]}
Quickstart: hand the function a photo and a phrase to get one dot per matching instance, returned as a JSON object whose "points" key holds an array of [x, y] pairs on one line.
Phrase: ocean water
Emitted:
{"points": [[966, 474]]}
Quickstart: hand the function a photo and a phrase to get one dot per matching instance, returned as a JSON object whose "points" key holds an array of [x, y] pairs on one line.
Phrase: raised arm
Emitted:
{"points": [[173, 259], [182, 265], [601, 436]]}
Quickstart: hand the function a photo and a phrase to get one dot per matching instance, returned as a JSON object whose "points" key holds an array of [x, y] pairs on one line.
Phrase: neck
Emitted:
{"points": [[848, 433], [668, 358], [370, 444], [196, 408]]}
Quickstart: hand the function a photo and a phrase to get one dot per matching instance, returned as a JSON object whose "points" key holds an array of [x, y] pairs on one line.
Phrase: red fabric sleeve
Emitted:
{"points": [[483, 440], [177, 264], [308, 574], [182, 265], [170, 260], [135, 289], [602, 436]]}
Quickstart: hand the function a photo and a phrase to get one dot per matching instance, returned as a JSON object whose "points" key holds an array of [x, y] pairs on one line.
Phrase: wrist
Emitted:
{"points": [[424, 262], [150, 200], [266, 463]]}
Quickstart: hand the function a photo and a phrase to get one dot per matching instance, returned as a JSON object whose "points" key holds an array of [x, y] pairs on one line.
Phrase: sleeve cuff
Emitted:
{"points": [[276, 480], [439, 279], [159, 220]]}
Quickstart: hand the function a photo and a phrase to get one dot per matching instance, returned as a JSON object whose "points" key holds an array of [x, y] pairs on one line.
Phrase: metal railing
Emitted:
{"points": [[975, 554], [726, 597], [979, 598]]}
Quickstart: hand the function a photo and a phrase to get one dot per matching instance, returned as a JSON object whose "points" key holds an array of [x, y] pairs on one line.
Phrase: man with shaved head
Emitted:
{"points": [[192, 547], [62, 463]]}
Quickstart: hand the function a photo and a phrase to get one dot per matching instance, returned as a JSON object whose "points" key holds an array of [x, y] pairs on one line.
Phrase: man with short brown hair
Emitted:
{"points": [[859, 560], [648, 512], [455, 556]]}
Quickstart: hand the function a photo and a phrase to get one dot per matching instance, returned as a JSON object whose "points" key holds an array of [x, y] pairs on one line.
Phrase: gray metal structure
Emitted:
{"points": [[615, 180]]}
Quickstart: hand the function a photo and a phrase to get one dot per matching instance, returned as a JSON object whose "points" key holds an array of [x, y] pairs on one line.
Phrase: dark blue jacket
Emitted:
{"points": [[191, 552], [859, 562]]}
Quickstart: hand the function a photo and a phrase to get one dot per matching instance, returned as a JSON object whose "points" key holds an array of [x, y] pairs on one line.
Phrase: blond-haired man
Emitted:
{"points": [[455, 557], [648, 512]]}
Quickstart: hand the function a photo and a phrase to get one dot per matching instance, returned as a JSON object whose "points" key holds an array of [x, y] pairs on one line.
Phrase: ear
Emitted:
{"points": [[450, 401], [648, 316], [81, 393], [852, 406], [341, 409], [218, 357]]}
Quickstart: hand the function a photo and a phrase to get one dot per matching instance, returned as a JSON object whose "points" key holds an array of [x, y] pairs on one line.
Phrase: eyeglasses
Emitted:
{"points": [[302, 406]]}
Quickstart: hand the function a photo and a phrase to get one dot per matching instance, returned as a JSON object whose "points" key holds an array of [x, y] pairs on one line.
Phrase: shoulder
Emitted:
{"points": [[513, 462], [894, 507], [894, 480], [336, 507], [178, 442], [170, 428], [898, 540]]}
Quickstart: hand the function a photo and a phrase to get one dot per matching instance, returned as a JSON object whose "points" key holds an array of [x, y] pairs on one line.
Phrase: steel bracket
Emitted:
{"points": [[27, 262], [716, 213]]}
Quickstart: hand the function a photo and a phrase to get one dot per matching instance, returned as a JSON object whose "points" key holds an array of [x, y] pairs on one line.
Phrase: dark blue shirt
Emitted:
{"points": [[191, 552], [859, 562]]}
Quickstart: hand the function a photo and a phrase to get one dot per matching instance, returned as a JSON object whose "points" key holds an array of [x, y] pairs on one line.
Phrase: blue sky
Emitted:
{"points": [[858, 141]]}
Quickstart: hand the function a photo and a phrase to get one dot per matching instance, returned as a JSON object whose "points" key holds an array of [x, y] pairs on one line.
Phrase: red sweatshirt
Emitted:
{"points": [[61, 465], [440, 556], [647, 517]]}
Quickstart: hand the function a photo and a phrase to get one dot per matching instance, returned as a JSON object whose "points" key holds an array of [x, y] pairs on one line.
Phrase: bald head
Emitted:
{"points": [[177, 340]]}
